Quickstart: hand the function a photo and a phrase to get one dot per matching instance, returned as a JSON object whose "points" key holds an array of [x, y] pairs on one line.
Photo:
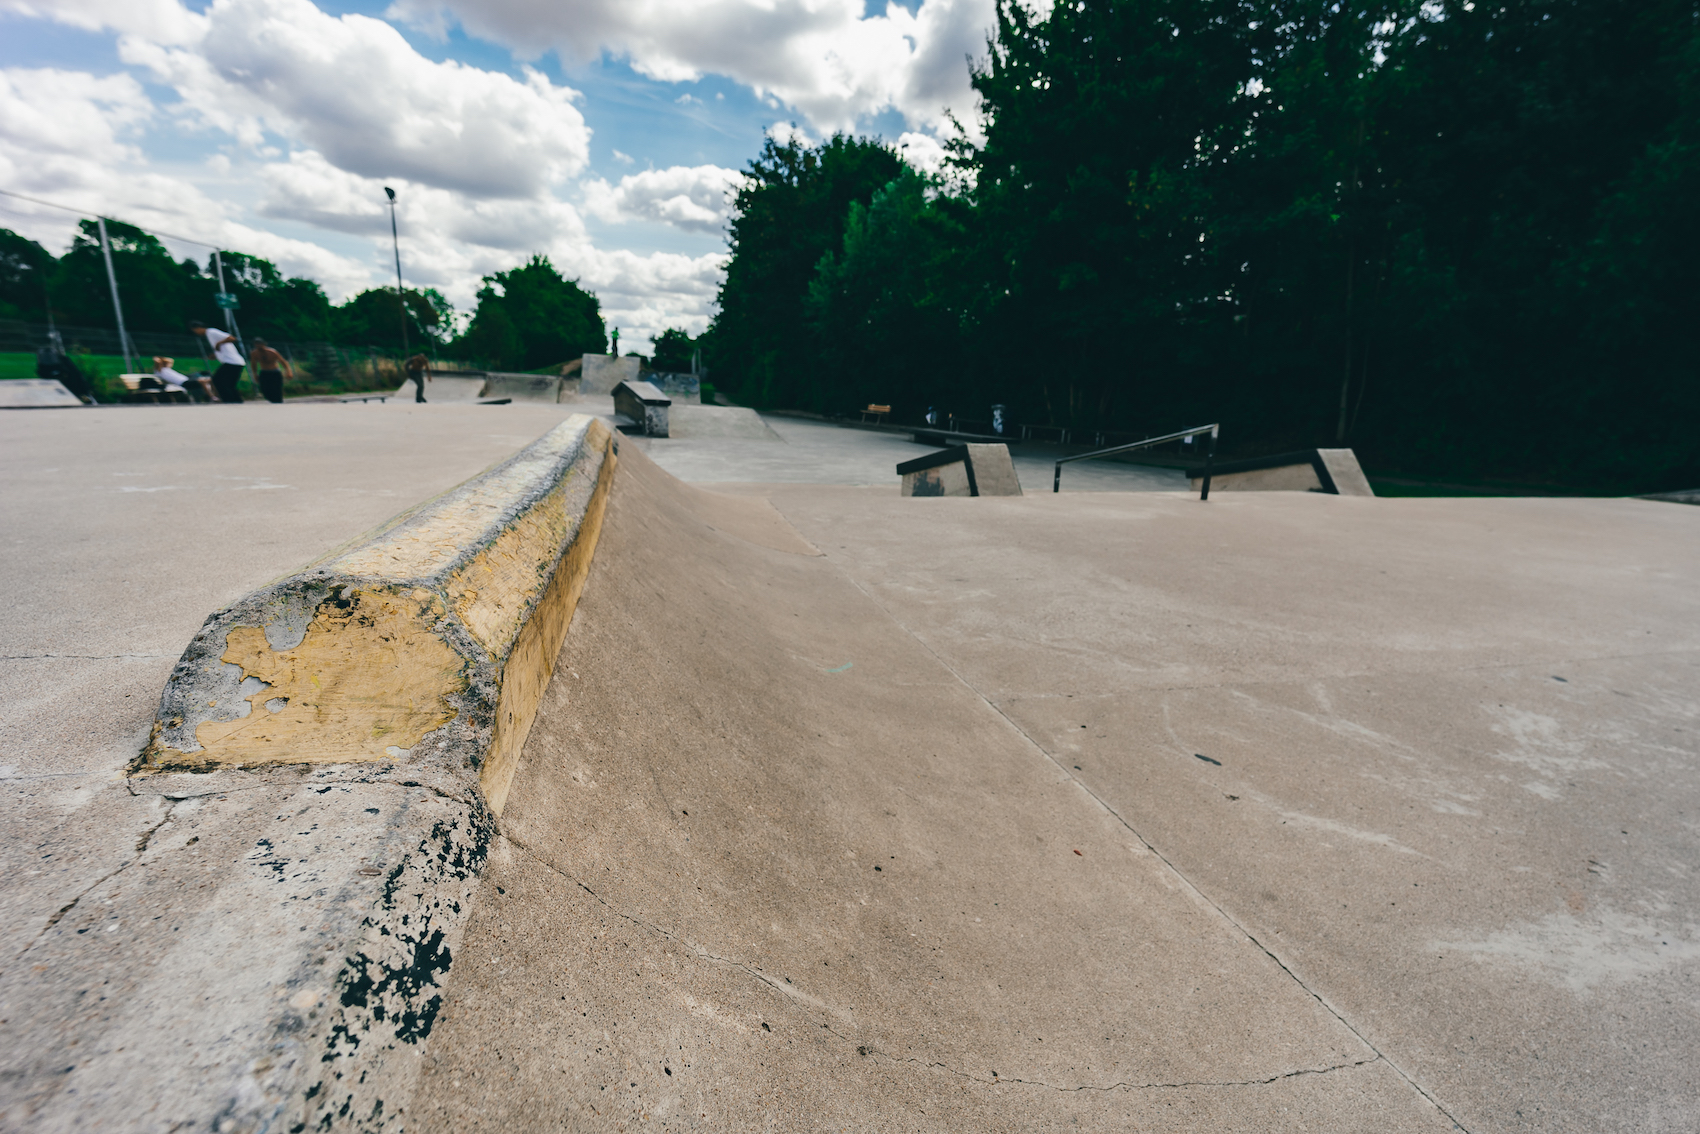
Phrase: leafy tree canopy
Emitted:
{"points": [[673, 349], [530, 317], [1455, 236], [790, 211]]}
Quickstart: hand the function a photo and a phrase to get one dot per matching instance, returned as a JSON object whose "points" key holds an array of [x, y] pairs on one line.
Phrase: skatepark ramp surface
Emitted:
{"points": [[768, 863], [1098, 810]]}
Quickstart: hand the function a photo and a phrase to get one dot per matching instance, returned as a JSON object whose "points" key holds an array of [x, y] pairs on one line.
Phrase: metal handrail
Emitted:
{"points": [[1209, 454]]}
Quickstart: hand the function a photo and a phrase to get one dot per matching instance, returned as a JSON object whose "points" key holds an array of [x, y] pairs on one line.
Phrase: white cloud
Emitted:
{"points": [[644, 295], [159, 21], [785, 133], [70, 116], [693, 198], [923, 151], [326, 110], [824, 57], [63, 138], [448, 240], [353, 89]]}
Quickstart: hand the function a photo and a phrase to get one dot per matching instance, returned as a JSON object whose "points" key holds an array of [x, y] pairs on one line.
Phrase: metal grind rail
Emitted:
{"points": [[1209, 453]]}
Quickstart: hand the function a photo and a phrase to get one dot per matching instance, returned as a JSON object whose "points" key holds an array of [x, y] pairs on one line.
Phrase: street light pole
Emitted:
{"points": [[401, 296]]}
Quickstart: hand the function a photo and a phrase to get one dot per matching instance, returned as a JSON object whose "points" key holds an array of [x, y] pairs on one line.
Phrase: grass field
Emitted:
{"points": [[103, 371]]}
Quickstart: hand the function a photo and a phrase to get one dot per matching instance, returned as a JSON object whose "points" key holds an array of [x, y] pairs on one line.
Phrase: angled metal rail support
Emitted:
{"points": [[1213, 429]]}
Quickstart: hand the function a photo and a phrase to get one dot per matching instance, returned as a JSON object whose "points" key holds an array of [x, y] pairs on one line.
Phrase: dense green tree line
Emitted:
{"points": [[161, 294], [1456, 237], [526, 318]]}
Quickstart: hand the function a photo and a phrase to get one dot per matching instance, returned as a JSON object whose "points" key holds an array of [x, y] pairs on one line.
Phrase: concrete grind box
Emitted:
{"points": [[645, 406], [1335, 471], [961, 470], [327, 765]]}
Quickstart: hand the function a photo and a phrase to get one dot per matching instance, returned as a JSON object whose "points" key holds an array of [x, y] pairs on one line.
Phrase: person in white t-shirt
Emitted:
{"points": [[230, 362]]}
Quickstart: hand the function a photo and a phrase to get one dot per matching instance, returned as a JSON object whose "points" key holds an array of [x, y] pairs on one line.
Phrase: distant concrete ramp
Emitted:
{"points": [[35, 393], [717, 423], [445, 388], [524, 387]]}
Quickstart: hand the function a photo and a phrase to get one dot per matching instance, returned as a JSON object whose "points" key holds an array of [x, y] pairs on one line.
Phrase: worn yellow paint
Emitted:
{"points": [[367, 677], [494, 593], [532, 662], [416, 623], [457, 522]]}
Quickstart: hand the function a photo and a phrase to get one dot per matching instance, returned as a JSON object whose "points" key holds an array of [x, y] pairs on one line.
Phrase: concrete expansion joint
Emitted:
{"points": [[869, 1051], [1377, 1054], [700, 952]]}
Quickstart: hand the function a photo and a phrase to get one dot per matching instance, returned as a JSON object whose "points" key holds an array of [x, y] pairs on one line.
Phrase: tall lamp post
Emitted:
{"points": [[401, 296]]}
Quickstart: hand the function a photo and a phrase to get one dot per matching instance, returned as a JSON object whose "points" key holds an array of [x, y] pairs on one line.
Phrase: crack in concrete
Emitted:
{"points": [[77, 657], [1068, 771], [695, 949], [211, 793], [865, 1050], [998, 1080], [141, 848]]}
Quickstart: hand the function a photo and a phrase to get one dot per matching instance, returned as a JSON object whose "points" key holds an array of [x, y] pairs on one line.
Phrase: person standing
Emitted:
{"points": [[419, 373], [230, 363], [269, 367]]}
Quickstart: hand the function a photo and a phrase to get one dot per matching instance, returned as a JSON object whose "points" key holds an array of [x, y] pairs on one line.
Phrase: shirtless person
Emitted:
{"points": [[230, 363], [270, 366], [419, 373]]}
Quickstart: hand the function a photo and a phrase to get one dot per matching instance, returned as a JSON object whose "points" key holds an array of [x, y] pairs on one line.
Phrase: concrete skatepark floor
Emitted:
{"points": [[1107, 810]]}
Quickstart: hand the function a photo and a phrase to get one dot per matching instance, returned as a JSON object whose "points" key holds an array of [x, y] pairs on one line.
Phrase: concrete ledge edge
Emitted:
{"points": [[424, 644], [310, 867]]}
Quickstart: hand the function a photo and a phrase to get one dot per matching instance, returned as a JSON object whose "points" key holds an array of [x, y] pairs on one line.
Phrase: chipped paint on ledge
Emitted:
{"points": [[402, 647]]}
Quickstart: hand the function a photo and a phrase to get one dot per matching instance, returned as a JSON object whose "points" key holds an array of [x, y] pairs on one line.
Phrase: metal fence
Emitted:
{"points": [[320, 358]]}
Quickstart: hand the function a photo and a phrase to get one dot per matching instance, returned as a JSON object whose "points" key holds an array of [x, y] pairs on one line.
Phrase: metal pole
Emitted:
{"points": [[112, 281], [229, 315], [401, 296], [1209, 456]]}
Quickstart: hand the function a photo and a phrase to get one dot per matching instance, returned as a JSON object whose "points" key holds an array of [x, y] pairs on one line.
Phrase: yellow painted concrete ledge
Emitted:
{"points": [[425, 644]]}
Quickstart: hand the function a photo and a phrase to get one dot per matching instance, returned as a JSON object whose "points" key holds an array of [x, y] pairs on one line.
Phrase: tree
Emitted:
{"points": [[672, 350], [531, 316], [158, 293], [789, 212], [885, 316], [373, 318], [25, 268], [1458, 236]]}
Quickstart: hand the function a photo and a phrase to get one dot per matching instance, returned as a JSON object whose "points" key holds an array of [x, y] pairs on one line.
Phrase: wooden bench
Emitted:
{"points": [[133, 391], [878, 413]]}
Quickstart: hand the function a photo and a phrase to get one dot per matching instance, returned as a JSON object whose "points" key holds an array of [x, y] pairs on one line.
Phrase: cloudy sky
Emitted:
{"points": [[603, 133]]}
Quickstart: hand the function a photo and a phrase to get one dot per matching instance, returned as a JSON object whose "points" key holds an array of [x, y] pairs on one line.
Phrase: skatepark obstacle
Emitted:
{"points": [[961, 470], [1213, 430], [644, 406], [1334, 471]]}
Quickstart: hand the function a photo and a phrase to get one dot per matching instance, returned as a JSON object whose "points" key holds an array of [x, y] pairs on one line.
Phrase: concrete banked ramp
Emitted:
{"points": [[767, 863]]}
